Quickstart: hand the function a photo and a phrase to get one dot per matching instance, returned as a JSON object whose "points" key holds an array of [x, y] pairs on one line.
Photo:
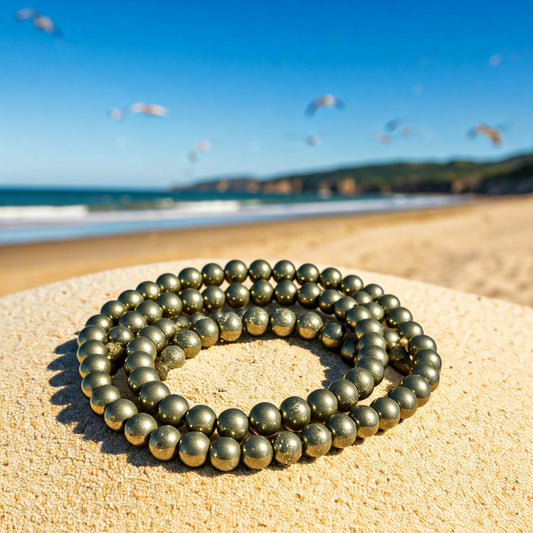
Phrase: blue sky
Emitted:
{"points": [[241, 74]]}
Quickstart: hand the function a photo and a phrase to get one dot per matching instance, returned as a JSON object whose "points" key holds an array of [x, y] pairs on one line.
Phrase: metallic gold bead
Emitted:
{"points": [[308, 295], [327, 299], [225, 454], [323, 404], [363, 379], [419, 385], [192, 301], [212, 274], [391, 337], [201, 418], [371, 339], [430, 357], [400, 360], [284, 269], [261, 292], [151, 394], [101, 321], [287, 448], [316, 440], [375, 351], [133, 320], [348, 351], [235, 271], [120, 335], [90, 348], [148, 290], [164, 442], [95, 363], [138, 429], [374, 366], [332, 335], [346, 393], [342, 306], [189, 342], [308, 325], [207, 329], [94, 379], [357, 314], [350, 284], [172, 409], [395, 316], [230, 326], [343, 430], [282, 321], [150, 310], [155, 335], [113, 309], [406, 399], [366, 419], [285, 292], [140, 376], [117, 412], [256, 320], [171, 357], [257, 452], [420, 342], [168, 283], [167, 326], [388, 411], [375, 290], [429, 372], [92, 333], [237, 295], [361, 297], [410, 329], [138, 360], [330, 278], [195, 317], [265, 419], [260, 269], [307, 273], [193, 449], [376, 310], [388, 302], [170, 303], [295, 413], [130, 298], [190, 278], [102, 396], [233, 423], [141, 344], [214, 298], [182, 322]]}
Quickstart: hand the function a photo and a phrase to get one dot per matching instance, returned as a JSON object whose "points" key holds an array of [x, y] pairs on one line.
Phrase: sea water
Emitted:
{"points": [[32, 214]]}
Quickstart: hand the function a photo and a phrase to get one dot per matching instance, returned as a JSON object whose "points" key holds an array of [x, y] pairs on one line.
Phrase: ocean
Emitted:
{"points": [[48, 214]]}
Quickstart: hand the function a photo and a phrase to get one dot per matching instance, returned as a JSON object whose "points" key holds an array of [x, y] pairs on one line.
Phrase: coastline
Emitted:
{"points": [[484, 247]]}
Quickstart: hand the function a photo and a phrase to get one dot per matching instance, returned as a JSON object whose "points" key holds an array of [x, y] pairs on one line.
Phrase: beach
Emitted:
{"points": [[483, 247]]}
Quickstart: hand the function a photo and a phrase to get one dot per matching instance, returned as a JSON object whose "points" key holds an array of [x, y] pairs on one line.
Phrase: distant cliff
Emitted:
{"points": [[509, 176]]}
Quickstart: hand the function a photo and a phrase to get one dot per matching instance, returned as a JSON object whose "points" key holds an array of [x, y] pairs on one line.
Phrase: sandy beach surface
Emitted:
{"points": [[462, 463], [485, 247]]}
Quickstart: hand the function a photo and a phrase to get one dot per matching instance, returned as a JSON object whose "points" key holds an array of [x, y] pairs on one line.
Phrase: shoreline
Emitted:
{"points": [[484, 246]]}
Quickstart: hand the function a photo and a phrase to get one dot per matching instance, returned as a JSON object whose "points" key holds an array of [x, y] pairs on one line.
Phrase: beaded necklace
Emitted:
{"points": [[155, 328]]}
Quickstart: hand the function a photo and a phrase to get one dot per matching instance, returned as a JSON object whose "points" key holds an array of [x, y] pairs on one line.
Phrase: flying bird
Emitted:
{"points": [[493, 133], [41, 22], [151, 110], [200, 146], [313, 140], [326, 100]]}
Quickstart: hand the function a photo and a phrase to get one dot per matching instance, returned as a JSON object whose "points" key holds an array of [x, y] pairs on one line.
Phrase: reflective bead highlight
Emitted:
{"points": [[366, 419], [201, 418], [257, 452], [259, 269], [265, 419], [193, 448], [287, 448], [308, 325], [316, 440], [138, 429], [233, 423], [151, 394], [117, 412], [225, 454], [102, 396], [235, 271], [213, 274], [295, 413], [388, 411], [282, 321], [261, 292], [343, 430], [93, 380], [163, 443], [323, 404], [256, 321], [346, 393], [172, 409]]}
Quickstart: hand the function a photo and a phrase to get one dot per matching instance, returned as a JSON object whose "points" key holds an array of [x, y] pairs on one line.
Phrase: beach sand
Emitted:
{"points": [[462, 463], [485, 247]]}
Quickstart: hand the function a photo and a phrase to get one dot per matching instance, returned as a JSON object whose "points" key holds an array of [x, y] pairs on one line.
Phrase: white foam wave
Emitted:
{"points": [[42, 212]]}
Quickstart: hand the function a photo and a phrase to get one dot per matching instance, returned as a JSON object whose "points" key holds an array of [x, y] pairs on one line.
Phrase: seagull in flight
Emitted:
{"points": [[493, 133], [151, 110], [41, 22], [326, 100]]}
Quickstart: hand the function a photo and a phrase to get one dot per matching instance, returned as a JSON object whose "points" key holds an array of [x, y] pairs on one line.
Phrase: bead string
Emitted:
{"points": [[159, 325]]}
